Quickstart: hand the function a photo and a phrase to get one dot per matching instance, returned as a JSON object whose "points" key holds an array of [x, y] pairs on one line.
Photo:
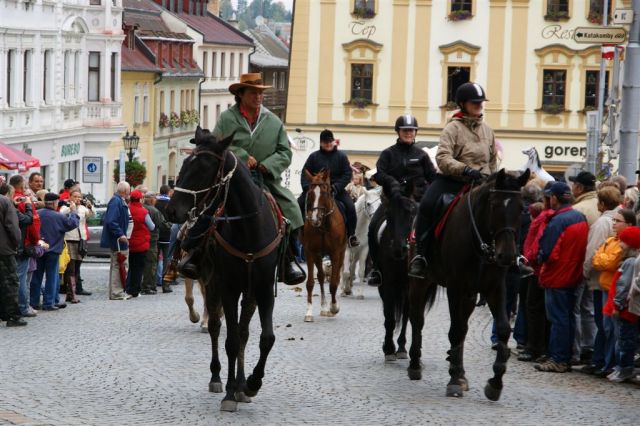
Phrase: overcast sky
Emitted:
{"points": [[288, 4]]}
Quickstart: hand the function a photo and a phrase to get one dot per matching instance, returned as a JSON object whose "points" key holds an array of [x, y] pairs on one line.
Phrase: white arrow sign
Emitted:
{"points": [[599, 35]]}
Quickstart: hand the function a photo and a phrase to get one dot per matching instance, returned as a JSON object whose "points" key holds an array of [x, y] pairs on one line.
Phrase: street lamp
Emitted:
{"points": [[130, 143]]}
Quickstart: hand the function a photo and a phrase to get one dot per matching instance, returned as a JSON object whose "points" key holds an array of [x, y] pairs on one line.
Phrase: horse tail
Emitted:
{"points": [[400, 303], [432, 292]]}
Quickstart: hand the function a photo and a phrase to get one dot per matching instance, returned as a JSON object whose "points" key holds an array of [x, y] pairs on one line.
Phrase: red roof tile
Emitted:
{"points": [[136, 60], [215, 30]]}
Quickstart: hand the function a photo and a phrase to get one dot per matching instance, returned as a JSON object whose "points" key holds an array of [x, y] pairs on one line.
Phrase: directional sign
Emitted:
{"points": [[623, 16], [92, 169], [600, 35]]}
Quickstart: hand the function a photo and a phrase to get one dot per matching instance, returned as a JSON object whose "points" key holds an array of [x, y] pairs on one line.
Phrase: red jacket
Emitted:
{"points": [[532, 240], [64, 195], [609, 306], [32, 235], [141, 236], [562, 249]]}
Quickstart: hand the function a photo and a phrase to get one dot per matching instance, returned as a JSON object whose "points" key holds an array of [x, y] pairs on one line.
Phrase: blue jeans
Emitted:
{"points": [[163, 248], [610, 338], [597, 360], [23, 289], [559, 303], [47, 265], [627, 339]]}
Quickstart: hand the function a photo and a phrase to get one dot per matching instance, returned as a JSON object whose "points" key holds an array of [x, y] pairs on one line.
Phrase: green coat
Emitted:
{"points": [[269, 145]]}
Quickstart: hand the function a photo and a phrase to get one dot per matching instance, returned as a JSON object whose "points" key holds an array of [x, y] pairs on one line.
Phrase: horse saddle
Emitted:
{"points": [[445, 205]]}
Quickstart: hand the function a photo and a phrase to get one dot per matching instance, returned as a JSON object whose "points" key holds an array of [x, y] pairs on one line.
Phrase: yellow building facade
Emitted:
{"points": [[356, 65]]}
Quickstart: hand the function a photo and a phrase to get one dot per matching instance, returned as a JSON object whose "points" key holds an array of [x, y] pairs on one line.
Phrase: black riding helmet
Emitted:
{"points": [[470, 92], [406, 121]]}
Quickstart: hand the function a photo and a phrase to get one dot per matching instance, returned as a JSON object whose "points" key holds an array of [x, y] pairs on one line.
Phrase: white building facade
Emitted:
{"points": [[60, 85]]}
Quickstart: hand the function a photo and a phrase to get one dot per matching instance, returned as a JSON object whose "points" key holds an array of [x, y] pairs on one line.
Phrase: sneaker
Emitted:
{"points": [[621, 375], [418, 267], [375, 278], [148, 292], [28, 314], [551, 366], [16, 322], [353, 241], [613, 374], [61, 305], [589, 369]]}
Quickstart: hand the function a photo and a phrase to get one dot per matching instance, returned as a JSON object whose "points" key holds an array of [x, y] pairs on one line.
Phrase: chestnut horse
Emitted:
{"points": [[324, 233]]}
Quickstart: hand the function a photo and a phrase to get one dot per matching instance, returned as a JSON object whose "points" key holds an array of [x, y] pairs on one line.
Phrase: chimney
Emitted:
{"points": [[213, 7]]}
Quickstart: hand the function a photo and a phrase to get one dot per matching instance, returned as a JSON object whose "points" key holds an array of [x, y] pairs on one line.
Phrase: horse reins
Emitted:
{"points": [[306, 210], [489, 250]]}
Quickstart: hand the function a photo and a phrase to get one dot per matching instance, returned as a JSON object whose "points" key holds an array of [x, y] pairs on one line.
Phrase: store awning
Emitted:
{"points": [[13, 159]]}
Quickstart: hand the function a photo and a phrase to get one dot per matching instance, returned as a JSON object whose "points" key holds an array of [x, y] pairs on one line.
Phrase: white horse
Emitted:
{"points": [[366, 206], [533, 164]]}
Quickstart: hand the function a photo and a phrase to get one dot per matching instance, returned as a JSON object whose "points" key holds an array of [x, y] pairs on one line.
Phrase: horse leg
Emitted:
{"points": [[324, 312], [417, 302], [265, 302], [336, 263], [362, 265], [388, 308], [246, 313], [347, 276], [232, 347], [461, 304], [308, 317], [497, 303], [205, 311], [188, 298], [215, 384], [401, 353]]}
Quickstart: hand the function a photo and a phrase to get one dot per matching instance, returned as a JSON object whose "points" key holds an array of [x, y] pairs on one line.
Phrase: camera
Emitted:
{"points": [[83, 202]]}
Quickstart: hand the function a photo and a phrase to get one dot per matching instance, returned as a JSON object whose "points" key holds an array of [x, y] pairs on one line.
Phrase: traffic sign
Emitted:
{"points": [[623, 16], [600, 35], [92, 169]]}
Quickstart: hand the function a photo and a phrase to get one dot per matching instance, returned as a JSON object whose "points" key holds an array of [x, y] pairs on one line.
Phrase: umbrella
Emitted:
{"points": [[122, 269], [13, 159]]}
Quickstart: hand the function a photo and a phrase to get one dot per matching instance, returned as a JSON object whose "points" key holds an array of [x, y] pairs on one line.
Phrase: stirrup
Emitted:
{"points": [[418, 267]]}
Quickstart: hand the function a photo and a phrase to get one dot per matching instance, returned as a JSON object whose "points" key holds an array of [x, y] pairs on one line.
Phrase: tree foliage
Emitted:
{"points": [[226, 9], [134, 172], [268, 9]]}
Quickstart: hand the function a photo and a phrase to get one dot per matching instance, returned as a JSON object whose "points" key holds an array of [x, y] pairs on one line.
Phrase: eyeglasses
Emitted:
{"points": [[618, 220]]}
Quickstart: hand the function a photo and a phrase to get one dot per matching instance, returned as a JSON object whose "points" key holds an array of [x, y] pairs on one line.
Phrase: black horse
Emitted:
{"points": [[240, 255], [471, 256], [399, 214]]}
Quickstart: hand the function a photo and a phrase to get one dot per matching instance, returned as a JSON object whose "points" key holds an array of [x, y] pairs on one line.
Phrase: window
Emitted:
{"points": [[205, 116], [217, 112], [114, 59], [136, 109], [76, 75], [94, 76], [461, 5], [193, 98], [182, 100], [456, 76], [240, 63], [95, 2], [214, 71], [596, 10], [557, 9], [592, 81], [361, 82], [274, 80], [553, 88], [364, 8], [67, 74], [204, 63], [232, 68], [46, 70], [26, 78], [145, 109], [222, 70], [172, 102], [162, 102], [10, 56], [282, 80]]}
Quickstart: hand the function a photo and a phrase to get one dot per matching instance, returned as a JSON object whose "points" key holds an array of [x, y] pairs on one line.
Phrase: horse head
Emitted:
{"points": [[319, 201], [199, 175], [400, 213], [504, 213], [372, 201]]}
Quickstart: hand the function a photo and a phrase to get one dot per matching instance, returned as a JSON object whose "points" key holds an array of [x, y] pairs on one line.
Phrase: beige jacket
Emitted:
{"points": [[587, 204], [460, 146]]}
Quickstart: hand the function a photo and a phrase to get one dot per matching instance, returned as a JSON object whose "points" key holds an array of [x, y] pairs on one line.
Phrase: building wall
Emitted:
{"points": [[411, 44]]}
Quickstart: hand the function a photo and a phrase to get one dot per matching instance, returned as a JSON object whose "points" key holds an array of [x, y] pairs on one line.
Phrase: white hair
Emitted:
{"points": [[123, 187]]}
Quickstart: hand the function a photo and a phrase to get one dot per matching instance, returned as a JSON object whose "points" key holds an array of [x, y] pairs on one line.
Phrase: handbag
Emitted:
{"points": [[63, 260], [82, 245]]}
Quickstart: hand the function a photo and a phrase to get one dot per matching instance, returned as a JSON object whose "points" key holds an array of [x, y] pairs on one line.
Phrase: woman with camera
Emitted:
{"points": [[76, 242]]}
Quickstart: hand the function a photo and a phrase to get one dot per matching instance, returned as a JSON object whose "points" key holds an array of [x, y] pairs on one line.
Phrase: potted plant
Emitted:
{"points": [[185, 117], [174, 120], [595, 17], [194, 116], [363, 12], [459, 15], [164, 121], [556, 16], [134, 172], [553, 108], [360, 102]]}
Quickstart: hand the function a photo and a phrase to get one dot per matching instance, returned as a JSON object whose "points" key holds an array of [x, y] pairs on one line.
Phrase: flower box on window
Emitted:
{"points": [[553, 108], [360, 102], [174, 120], [595, 17], [459, 15], [363, 12], [164, 121], [556, 16]]}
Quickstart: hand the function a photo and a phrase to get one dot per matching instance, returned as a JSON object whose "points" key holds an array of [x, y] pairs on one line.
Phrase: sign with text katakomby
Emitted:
{"points": [[599, 35]]}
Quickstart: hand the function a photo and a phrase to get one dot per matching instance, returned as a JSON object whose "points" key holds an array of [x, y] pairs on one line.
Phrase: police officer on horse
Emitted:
{"points": [[407, 165], [337, 163], [466, 153]]}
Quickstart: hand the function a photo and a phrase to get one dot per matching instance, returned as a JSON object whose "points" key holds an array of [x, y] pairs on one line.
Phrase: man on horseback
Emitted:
{"points": [[337, 163], [261, 142], [406, 165], [466, 153]]}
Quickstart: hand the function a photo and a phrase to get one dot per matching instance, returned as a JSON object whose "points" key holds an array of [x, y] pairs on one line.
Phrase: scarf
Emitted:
{"points": [[471, 122]]}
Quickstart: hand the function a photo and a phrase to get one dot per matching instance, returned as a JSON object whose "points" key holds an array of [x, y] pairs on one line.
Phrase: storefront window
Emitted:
{"points": [[456, 76], [361, 83], [592, 81], [553, 88]]}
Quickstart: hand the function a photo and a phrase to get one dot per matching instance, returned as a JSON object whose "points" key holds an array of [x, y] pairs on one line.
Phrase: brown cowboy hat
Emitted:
{"points": [[249, 80]]}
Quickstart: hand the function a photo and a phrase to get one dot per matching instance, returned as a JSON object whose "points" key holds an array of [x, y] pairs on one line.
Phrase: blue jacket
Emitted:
{"points": [[116, 220], [53, 226]]}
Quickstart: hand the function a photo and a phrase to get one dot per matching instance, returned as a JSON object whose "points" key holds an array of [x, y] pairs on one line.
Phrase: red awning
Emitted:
{"points": [[13, 159]]}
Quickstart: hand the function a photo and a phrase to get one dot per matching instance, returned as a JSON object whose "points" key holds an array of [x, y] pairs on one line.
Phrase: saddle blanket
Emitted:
{"points": [[443, 219]]}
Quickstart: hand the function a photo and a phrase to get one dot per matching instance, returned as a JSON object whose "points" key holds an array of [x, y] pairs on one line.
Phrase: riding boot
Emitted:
{"points": [[292, 274], [375, 277], [187, 266], [418, 266], [191, 246]]}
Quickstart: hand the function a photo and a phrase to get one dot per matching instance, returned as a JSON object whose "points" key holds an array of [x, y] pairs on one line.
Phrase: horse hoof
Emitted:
{"points": [[346, 293], [402, 355], [229, 406], [308, 318], [242, 397], [492, 394], [324, 314], [215, 387], [390, 358], [204, 329], [335, 309], [194, 318], [454, 391], [465, 384], [415, 374]]}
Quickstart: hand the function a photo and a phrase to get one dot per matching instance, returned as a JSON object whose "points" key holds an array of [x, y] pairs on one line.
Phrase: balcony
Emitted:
{"points": [[102, 115]]}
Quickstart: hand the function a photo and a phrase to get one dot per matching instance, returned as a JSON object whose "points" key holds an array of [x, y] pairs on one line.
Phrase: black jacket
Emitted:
{"points": [[407, 165], [335, 161], [165, 233]]}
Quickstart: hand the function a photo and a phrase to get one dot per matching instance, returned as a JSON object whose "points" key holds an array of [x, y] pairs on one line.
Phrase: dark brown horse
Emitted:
{"points": [[324, 233], [471, 256], [239, 256]]}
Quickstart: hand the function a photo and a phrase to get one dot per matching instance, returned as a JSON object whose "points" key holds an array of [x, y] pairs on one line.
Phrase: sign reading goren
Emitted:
{"points": [[599, 35]]}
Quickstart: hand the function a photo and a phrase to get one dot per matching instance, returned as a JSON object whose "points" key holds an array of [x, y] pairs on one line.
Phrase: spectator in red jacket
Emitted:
{"points": [[139, 242], [68, 184], [561, 254]]}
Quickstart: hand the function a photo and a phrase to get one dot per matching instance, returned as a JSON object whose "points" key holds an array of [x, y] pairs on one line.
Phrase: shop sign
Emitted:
{"points": [[560, 152], [70, 149]]}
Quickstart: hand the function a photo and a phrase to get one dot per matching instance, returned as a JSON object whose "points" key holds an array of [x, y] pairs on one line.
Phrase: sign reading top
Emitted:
{"points": [[599, 35]]}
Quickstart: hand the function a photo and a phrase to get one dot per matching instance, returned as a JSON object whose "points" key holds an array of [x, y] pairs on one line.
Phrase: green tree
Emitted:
{"points": [[134, 173], [279, 13], [226, 9]]}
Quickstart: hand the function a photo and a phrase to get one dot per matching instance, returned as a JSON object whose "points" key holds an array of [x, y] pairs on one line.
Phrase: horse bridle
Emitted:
{"points": [[488, 251], [320, 209]]}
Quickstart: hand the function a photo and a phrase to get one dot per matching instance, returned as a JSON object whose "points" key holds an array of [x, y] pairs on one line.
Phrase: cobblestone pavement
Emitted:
{"points": [[142, 362]]}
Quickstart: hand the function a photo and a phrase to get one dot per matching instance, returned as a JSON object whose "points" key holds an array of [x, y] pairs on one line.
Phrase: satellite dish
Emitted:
{"points": [[573, 171]]}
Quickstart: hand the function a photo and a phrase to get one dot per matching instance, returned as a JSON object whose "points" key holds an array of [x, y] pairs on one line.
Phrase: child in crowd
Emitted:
{"points": [[617, 304]]}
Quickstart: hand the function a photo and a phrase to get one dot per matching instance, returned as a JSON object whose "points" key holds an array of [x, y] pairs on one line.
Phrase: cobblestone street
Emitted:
{"points": [[143, 362]]}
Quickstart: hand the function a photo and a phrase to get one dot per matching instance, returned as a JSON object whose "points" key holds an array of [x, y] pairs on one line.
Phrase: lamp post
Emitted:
{"points": [[130, 144]]}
